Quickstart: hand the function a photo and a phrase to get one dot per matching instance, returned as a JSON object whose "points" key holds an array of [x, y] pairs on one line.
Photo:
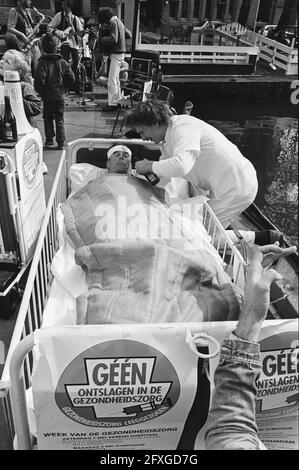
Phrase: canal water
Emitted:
{"points": [[268, 136]]}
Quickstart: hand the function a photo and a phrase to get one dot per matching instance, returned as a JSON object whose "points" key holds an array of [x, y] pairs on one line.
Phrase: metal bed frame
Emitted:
{"points": [[40, 278], [19, 265], [16, 251], [36, 291]]}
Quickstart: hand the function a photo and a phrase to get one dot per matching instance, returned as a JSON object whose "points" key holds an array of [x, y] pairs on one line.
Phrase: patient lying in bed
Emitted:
{"points": [[140, 264]]}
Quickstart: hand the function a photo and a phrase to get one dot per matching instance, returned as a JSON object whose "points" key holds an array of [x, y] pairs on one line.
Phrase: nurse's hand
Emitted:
{"points": [[144, 166]]}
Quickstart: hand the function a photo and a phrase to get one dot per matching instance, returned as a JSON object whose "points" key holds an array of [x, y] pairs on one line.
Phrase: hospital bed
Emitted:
{"points": [[40, 283]]}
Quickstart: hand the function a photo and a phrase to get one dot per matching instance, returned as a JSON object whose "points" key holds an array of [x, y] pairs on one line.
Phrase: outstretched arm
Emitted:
{"points": [[231, 423]]}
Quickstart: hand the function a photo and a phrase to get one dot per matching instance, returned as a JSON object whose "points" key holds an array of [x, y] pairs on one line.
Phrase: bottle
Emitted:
{"points": [[2, 106], [10, 124], [1, 111], [188, 106], [2, 138], [152, 178]]}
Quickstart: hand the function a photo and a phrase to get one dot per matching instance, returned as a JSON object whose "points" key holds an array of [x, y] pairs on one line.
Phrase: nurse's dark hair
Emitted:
{"points": [[149, 113]]}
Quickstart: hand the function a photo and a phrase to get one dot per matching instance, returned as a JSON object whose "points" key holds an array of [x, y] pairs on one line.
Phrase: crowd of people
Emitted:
{"points": [[49, 68]]}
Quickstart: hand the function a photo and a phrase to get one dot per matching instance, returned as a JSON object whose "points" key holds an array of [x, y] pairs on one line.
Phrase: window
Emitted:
{"points": [[122, 11], [244, 12], [76, 8], [196, 8], [221, 7], [94, 7], [46, 4], [265, 11], [173, 9], [232, 8], [185, 9], [208, 12]]}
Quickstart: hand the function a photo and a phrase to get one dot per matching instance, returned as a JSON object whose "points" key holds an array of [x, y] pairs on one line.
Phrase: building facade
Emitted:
{"points": [[246, 11], [175, 12]]}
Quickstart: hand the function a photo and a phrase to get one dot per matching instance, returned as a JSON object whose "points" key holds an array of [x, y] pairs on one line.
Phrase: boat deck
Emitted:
{"points": [[264, 74]]}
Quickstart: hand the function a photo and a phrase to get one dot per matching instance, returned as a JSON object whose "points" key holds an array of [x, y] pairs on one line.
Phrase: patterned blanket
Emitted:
{"points": [[139, 264]]}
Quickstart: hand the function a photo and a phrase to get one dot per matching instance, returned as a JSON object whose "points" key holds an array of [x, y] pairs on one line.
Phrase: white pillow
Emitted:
{"points": [[81, 173]]}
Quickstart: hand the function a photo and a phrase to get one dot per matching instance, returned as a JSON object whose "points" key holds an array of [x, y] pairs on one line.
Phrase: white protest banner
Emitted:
{"points": [[32, 202], [277, 403], [113, 386]]}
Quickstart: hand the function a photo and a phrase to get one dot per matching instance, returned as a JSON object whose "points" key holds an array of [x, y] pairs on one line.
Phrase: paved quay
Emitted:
{"points": [[81, 121]]}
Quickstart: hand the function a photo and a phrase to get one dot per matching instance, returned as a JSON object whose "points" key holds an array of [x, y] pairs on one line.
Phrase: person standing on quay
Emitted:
{"points": [[53, 77], [112, 42], [63, 24]]}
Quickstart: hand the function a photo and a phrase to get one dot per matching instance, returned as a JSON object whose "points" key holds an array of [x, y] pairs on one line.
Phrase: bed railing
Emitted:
{"points": [[234, 262], [37, 289]]}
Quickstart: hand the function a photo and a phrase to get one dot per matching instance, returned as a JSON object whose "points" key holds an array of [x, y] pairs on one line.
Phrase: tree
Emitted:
{"points": [[282, 194], [154, 10]]}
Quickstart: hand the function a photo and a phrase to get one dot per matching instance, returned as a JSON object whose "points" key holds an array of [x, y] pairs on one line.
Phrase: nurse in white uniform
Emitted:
{"points": [[199, 153]]}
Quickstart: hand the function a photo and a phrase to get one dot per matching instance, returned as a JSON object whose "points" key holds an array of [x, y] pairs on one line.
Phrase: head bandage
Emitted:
{"points": [[119, 148]]}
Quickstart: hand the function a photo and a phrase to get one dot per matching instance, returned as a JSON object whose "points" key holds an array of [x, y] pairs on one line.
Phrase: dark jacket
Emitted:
{"points": [[32, 102], [52, 77], [113, 43]]}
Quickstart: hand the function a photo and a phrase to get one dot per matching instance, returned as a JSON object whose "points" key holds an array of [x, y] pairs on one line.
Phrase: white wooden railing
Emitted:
{"points": [[233, 28], [234, 45], [184, 54], [216, 37], [281, 56]]}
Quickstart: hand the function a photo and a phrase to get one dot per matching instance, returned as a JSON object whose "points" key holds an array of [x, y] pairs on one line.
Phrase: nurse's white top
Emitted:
{"points": [[199, 153]]}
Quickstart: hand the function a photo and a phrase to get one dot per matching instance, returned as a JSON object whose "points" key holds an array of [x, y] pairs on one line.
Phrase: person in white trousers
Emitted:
{"points": [[112, 42]]}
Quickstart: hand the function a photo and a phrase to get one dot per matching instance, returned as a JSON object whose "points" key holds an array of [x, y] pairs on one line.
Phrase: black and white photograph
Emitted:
{"points": [[149, 228]]}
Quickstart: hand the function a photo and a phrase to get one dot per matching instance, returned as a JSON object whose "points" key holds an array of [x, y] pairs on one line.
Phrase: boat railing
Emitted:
{"points": [[275, 53], [202, 54]]}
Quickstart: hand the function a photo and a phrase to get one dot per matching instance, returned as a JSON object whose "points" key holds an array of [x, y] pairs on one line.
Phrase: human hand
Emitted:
{"points": [[144, 166], [25, 40], [60, 34], [273, 253], [257, 289]]}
